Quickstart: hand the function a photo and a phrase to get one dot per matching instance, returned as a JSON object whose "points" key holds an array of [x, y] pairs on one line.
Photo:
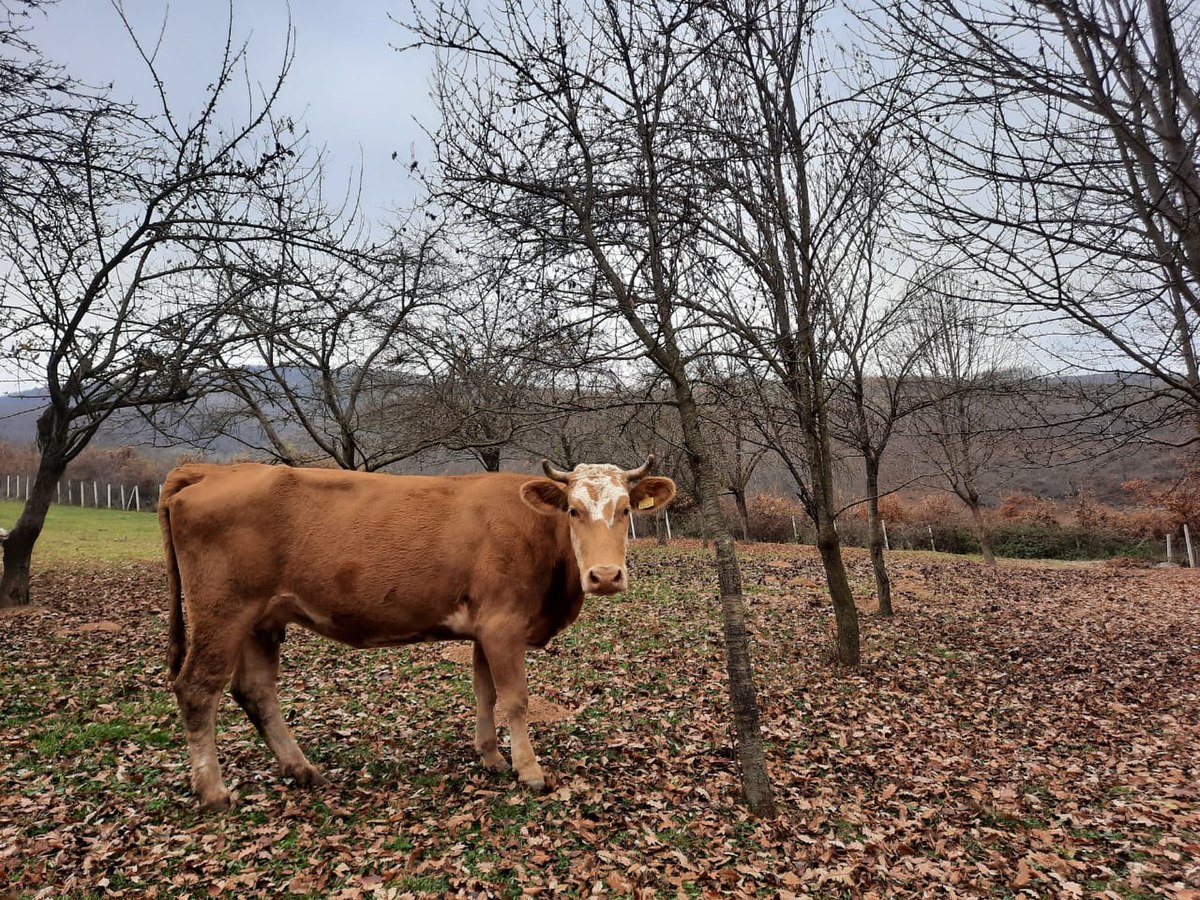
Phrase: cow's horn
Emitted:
{"points": [[642, 471], [556, 474]]}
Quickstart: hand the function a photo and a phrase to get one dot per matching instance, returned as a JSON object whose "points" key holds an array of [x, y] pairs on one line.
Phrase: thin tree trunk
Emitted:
{"points": [[18, 546], [756, 782], [844, 610], [829, 545], [739, 498], [489, 458], [981, 529], [883, 584]]}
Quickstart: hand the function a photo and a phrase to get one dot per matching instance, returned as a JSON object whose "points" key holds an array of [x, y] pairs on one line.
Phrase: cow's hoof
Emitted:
{"points": [[307, 776], [494, 762], [541, 784], [218, 801]]}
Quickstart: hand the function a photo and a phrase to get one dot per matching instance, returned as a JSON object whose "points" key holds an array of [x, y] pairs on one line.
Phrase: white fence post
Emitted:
{"points": [[667, 519], [1187, 536], [109, 486], [82, 496], [1170, 555], [58, 489], [883, 525], [95, 494], [932, 545], [137, 501], [795, 530], [122, 497]]}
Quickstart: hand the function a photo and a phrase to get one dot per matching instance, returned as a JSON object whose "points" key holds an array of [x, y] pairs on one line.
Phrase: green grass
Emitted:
{"points": [[73, 534]]}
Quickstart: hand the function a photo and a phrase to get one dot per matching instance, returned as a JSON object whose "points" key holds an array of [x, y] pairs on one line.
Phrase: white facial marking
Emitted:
{"points": [[606, 482]]}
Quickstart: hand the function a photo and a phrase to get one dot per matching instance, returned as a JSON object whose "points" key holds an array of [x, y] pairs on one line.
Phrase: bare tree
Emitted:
{"points": [[1061, 140], [112, 253], [968, 428], [332, 362], [567, 141], [737, 446], [792, 139], [877, 391]]}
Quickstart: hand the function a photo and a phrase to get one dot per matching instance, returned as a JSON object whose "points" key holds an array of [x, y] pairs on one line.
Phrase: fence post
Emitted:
{"points": [[109, 486], [1187, 536], [96, 494], [1170, 555], [27, 480], [122, 498], [932, 545], [667, 519], [795, 530], [82, 496], [137, 501], [883, 525]]}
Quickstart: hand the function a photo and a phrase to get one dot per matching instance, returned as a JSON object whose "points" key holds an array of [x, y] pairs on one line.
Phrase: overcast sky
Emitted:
{"points": [[357, 95]]}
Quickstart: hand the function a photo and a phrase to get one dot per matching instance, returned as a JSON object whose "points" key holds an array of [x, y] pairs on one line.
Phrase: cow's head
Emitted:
{"points": [[598, 501]]}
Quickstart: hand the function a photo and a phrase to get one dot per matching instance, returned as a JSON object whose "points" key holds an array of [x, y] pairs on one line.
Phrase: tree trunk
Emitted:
{"points": [[985, 538], [739, 498], [883, 584], [489, 458], [829, 544], [844, 610], [756, 782], [18, 546]]}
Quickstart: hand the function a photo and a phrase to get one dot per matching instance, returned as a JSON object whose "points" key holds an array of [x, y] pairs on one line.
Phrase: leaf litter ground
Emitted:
{"points": [[1030, 731]]}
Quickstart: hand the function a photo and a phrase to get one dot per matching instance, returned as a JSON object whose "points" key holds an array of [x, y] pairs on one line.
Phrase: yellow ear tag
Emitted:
{"points": [[646, 503]]}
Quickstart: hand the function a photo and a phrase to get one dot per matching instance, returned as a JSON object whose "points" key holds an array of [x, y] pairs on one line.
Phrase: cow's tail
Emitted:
{"points": [[176, 630]]}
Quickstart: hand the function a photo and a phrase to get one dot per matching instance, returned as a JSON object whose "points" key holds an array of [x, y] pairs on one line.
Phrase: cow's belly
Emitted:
{"points": [[371, 622]]}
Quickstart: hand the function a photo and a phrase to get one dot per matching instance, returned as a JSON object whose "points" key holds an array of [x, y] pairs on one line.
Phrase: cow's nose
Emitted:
{"points": [[605, 580]]}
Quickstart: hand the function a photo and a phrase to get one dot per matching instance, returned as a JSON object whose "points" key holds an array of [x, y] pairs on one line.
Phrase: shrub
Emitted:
{"points": [[771, 518], [892, 510], [1019, 507], [1025, 541], [1179, 499]]}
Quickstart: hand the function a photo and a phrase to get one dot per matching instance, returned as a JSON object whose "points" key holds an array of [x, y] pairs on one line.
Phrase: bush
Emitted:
{"points": [[1028, 510], [1022, 541], [771, 518]]}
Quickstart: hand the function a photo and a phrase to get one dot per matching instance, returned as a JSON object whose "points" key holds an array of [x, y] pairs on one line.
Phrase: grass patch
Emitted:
{"points": [[74, 535]]}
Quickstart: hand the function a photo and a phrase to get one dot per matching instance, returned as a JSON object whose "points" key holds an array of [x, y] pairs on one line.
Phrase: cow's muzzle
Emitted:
{"points": [[605, 580]]}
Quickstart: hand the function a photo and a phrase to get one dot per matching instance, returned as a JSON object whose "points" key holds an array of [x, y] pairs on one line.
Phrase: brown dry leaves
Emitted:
{"points": [[1030, 731]]}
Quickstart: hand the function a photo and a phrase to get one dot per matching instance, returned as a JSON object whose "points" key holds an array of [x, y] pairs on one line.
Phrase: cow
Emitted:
{"points": [[372, 560]]}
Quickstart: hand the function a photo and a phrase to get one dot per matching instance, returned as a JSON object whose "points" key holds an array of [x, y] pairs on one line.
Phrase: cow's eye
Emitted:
{"points": [[573, 513]]}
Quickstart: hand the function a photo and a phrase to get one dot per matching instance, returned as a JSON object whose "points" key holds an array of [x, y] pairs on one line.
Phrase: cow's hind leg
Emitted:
{"points": [[198, 689], [506, 660], [485, 714], [255, 689]]}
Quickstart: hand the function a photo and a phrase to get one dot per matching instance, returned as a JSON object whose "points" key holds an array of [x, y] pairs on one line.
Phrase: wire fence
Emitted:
{"points": [[93, 494]]}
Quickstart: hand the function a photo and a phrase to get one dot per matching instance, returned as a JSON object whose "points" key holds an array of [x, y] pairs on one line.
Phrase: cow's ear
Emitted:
{"points": [[651, 493], [546, 496]]}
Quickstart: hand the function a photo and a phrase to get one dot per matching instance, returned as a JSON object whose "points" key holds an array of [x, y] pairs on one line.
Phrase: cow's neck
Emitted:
{"points": [[562, 598]]}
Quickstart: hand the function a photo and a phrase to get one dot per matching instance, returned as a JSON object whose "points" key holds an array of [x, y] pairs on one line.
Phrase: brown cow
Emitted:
{"points": [[376, 560]]}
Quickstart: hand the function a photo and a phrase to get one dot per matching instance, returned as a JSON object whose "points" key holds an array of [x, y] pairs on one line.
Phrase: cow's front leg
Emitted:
{"points": [[506, 660], [485, 714]]}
